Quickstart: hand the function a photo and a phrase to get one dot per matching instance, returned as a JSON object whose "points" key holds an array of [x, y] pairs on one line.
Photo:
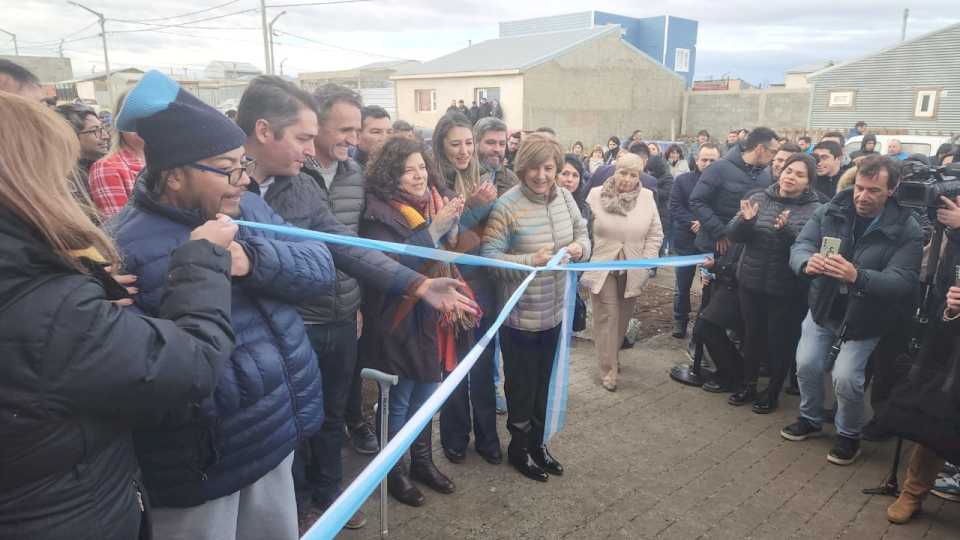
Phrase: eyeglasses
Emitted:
{"points": [[100, 131], [233, 175]]}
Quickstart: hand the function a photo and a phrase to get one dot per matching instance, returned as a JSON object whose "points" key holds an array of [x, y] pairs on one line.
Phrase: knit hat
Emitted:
{"points": [[176, 127]]}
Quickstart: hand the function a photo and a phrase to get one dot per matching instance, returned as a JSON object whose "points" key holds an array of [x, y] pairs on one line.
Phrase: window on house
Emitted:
{"points": [[681, 61], [841, 99], [926, 104], [426, 100], [488, 94]]}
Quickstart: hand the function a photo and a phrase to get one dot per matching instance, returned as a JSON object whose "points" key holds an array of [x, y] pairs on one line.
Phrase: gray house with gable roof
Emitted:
{"points": [[586, 84]]}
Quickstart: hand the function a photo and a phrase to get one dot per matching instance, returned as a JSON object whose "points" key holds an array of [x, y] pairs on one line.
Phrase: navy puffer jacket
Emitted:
{"points": [[269, 393]]}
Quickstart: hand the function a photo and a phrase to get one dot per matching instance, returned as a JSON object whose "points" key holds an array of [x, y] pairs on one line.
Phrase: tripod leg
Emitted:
{"points": [[890, 486]]}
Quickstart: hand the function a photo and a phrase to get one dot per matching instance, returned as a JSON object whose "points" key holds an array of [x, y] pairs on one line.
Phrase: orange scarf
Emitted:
{"points": [[449, 325]]}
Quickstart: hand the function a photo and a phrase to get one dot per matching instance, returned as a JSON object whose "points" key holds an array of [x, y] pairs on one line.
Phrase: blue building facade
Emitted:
{"points": [[671, 41]]}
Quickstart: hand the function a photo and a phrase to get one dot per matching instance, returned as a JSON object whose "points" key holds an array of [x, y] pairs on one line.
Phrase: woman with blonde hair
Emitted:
{"points": [[528, 225], [80, 370], [626, 225], [112, 177]]}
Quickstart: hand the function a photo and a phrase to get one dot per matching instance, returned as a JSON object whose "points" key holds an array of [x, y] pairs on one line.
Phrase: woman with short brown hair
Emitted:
{"points": [[528, 225]]}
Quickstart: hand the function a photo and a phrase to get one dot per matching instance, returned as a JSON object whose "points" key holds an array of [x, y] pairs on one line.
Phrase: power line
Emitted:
{"points": [[347, 49], [318, 3], [184, 24], [180, 16]]}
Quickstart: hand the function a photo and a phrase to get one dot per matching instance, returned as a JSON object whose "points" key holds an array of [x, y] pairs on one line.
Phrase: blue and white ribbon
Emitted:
{"points": [[353, 497]]}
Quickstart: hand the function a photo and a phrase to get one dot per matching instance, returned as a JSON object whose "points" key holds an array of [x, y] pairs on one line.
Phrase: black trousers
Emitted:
{"points": [[475, 394], [722, 351], [771, 331], [527, 365]]}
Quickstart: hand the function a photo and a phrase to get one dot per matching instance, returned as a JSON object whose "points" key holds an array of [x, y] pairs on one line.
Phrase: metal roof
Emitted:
{"points": [[904, 44], [517, 53], [810, 68]]}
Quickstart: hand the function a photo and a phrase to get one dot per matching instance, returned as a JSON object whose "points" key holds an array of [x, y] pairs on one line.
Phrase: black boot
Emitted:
{"points": [[747, 394], [541, 456], [767, 402], [422, 467], [401, 488], [518, 453], [679, 329], [538, 451]]}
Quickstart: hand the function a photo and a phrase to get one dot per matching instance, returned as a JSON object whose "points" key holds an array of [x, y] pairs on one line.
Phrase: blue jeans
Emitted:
{"points": [[681, 293], [405, 400], [848, 377]]}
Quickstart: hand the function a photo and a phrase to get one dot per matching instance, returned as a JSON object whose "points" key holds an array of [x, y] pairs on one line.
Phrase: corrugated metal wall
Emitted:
{"points": [[384, 97], [885, 86], [556, 23]]}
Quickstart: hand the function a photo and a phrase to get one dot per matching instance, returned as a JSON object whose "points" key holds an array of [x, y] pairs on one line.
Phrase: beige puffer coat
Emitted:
{"points": [[520, 224]]}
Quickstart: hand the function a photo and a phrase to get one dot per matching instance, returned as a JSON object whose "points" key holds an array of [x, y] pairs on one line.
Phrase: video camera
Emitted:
{"points": [[923, 185]]}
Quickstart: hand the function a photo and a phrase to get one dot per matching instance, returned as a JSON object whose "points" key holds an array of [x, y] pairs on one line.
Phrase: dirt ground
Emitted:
{"points": [[654, 317]]}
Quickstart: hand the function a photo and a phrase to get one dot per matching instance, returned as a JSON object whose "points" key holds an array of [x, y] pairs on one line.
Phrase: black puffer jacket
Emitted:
{"points": [[765, 264], [77, 372], [716, 197], [305, 201], [887, 258]]}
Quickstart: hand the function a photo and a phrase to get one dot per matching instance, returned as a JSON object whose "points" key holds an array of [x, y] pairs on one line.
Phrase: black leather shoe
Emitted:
{"points": [[428, 474], [765, 405], [744, 396], [679, 329], [541, 456], [527, 467], [455, 456], [401, 488], [494, 458], [716, 387]]}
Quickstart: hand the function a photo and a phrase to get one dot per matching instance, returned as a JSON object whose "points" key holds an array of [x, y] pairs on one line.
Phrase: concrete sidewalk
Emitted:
{"points": [[660, 460]]}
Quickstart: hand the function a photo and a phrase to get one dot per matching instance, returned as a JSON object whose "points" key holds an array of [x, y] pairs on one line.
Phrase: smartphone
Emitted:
{"points": [[830, 246]]}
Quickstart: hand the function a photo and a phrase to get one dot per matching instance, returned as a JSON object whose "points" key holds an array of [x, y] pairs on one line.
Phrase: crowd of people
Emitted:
{"points": [[173, 374]]}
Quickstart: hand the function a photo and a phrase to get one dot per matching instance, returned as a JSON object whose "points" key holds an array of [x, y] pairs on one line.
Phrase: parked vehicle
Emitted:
{"points": [[911, 144]]}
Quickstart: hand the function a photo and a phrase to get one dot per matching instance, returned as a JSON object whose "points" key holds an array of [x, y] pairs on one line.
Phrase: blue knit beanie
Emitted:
{"points": [[176, 127]]}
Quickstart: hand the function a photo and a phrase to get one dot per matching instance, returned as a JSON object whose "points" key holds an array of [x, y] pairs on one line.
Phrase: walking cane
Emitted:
{"points": [[384, 381]]}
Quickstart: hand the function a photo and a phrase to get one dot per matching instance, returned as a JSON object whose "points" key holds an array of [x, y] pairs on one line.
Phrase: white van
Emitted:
{"points": [[911, 144]]}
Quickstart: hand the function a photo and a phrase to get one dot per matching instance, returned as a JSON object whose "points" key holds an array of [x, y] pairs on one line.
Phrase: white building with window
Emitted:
{"points": [[586, 84], [913, 87]]}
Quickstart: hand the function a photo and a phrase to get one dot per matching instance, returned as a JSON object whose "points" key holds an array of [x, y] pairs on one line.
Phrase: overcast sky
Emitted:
{"points": [[756, 41]]}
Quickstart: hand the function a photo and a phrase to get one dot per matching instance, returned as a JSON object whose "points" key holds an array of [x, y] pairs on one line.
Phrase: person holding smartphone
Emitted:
{"points": [[852, 297]]}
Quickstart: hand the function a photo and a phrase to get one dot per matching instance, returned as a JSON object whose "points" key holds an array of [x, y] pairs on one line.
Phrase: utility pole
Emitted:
{"points": [[903, 29], [61, 48], [266, 37], [16, 50], [281, 65], [273, 68], [106, 58]]}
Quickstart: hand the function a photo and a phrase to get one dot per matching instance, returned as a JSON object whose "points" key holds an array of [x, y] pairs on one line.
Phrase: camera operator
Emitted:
{"points": [[851, 296], [909, 412]]}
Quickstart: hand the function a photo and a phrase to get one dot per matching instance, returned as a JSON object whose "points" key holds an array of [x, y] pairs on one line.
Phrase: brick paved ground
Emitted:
{"points": [[660, 460]]}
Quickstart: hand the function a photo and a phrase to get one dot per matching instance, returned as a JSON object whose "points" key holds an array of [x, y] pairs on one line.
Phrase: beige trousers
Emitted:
{"points": [[611, 313]]}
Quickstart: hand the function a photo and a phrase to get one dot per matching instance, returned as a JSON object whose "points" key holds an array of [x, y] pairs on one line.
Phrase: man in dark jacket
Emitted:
{"points": [[374, 130], [685, 228], [854, 296], [716, 199], [224, 463], [829, 156], [490, 136], [603, 173], [868, 146], [283, 130]]}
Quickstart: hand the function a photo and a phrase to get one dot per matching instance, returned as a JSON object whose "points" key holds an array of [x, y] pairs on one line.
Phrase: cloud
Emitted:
{"points": [[755, 41]]}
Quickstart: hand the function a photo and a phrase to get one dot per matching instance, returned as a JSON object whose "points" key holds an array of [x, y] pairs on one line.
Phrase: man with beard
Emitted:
{"points": [[491, 136]]}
